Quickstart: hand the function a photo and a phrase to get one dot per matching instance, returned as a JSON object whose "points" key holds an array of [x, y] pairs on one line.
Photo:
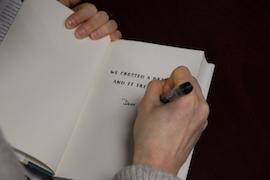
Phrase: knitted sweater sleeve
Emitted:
{"points": [[139, 172]]}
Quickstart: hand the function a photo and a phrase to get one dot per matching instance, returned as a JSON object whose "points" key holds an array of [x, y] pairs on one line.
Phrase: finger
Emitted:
{"points": [[93, 26], [106, 29], [82, 13], [179, 76], [152, 95], [116, 35]]}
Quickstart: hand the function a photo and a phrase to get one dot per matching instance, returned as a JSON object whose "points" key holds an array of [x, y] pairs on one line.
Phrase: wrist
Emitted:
{"points": [[165, 163]]}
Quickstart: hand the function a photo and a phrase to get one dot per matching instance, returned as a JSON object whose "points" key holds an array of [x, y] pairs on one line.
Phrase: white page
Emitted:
{"points": [[8, 12], [205, 76], [45, 76], [102, 141]]}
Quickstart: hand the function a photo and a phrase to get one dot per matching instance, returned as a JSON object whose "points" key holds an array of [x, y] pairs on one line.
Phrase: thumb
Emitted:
{"points": [[179, 76]]}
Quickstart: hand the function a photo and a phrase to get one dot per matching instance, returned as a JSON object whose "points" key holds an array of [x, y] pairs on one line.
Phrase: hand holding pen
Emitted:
{"points": [[164, 134]]}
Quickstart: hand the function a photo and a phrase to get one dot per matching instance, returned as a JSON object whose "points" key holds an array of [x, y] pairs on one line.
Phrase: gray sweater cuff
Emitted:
{"points": [[139, 172]]}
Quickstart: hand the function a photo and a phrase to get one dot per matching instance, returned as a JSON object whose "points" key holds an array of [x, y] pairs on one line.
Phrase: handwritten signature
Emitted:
{"points": [[127, 103]]}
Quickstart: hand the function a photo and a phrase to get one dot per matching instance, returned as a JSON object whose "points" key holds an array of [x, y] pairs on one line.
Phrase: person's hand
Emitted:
{"points": [[93, 23], [164, 134]]}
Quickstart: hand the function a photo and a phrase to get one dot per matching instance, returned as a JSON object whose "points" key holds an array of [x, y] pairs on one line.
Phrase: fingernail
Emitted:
{"points": [[71, 23], [117, 35], [80, 33], [95, 34]]}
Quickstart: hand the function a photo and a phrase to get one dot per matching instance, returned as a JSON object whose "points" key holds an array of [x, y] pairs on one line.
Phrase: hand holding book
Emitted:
{"points": [[93, 23]]}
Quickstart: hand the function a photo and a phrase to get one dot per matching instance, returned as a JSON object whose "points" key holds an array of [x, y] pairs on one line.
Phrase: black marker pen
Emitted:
{"points": [[176, 93]]}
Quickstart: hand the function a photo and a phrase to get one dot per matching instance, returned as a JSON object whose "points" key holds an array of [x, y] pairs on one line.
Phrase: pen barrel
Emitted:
{"points": [[177, 92]]}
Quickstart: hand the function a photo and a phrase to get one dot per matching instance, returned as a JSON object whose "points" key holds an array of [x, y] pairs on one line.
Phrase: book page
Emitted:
{"points": [[8, 12], [45, 76], [102, 142], [205, 76]]}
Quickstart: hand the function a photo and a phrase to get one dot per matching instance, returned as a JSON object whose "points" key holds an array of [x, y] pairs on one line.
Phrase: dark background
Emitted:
{"points": [[235, 36]]}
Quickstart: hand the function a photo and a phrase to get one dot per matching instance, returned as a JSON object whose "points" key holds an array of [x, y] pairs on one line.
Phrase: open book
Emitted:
{"points": [[70, 104]]}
